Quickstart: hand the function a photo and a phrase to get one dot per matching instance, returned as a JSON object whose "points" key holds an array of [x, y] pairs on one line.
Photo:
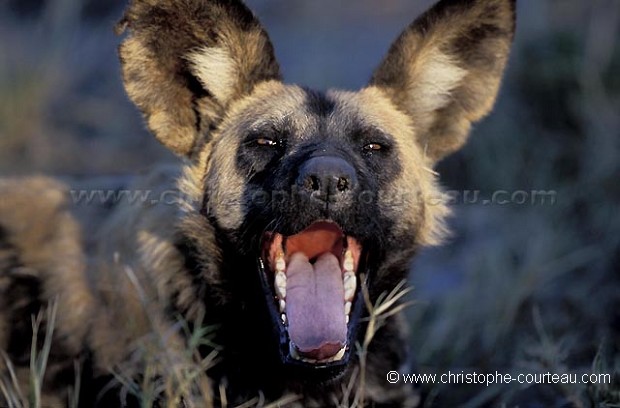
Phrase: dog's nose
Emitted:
{"points": [[327, 178]]}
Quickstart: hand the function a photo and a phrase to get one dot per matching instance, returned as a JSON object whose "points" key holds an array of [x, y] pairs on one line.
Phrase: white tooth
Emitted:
{"points": [[281, 279], [281, 285], [283, 317], [347, 308], [350, 284], [280, 264], [339, 355], [347, 319], [281, 292], [348, 261], [349, 293], [282, 306], [348, 276]]}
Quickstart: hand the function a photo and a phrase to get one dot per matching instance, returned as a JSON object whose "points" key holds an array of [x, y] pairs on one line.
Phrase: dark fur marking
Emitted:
{"points": [[193, 267], [470, 47], [198, 92], [8, 254], [22, 298], [318, 103], [3, 237], [385, 163]]}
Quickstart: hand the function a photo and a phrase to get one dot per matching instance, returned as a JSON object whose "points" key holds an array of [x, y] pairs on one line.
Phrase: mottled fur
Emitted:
{"points": [[204, 74]]}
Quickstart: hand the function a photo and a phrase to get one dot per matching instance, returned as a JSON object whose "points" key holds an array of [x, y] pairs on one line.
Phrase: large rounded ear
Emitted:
{"points": [[185, 61], [445, 69]]}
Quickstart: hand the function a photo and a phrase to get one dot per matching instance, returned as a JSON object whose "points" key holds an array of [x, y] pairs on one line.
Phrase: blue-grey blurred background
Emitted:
{"points": [[518, 288]]}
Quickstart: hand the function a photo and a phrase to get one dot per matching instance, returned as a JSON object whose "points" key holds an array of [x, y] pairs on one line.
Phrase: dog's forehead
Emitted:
{"points": [[272, 105], [301, 113], [368, 108]]}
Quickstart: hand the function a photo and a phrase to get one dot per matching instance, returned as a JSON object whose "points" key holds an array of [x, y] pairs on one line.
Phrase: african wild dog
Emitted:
{"points": [[289, 202]]}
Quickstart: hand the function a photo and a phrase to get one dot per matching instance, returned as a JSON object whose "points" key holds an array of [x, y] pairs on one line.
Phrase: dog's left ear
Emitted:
{"points": [[185, 61], [445, 69]]}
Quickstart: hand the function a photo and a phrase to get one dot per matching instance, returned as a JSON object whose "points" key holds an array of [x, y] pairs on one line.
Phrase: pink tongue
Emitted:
{"points": [[315, 306]]}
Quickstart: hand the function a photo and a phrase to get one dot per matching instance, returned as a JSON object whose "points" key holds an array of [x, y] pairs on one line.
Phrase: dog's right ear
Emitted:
{"points": [[185, 61]]}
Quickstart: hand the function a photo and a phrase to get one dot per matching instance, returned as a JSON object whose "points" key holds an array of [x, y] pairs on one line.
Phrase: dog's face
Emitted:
{"points": [[322, 189], [324, 192]]}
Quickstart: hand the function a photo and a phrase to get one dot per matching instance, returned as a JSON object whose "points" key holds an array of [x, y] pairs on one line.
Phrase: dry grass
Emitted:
{"points": [[160, 375]]}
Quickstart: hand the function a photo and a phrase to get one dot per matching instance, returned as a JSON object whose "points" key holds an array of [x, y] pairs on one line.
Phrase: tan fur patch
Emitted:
{"points": [[436, 75], [217, 71]]}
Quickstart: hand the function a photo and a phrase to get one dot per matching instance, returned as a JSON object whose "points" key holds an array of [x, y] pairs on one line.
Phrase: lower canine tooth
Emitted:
{"points": [[282, 306], [339, 355], [283, 317], [347, 308]]}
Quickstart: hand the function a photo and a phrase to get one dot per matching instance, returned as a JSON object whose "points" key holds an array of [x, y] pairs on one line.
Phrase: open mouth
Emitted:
{"points": [[313, 281]]}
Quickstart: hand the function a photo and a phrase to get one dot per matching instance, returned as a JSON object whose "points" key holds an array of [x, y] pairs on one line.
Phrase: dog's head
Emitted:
{"points": [[317, 193]]}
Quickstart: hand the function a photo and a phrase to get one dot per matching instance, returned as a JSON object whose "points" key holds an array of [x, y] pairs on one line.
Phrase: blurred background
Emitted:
{"points": [[522, 288]]}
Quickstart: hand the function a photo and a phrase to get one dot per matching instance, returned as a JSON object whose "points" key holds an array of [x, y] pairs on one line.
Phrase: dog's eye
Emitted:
{"points": [[373, 147], [265, 141]]}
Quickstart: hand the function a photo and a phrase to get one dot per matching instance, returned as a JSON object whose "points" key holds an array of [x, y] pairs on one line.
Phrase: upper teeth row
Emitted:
{"points": [[280, 285], [348, 262], [350, 284], [349, 281]]}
